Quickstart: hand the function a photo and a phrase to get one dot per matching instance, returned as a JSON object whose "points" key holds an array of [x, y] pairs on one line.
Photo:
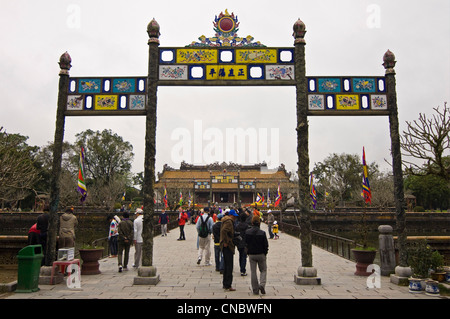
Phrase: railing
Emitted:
{"points": [[334, 244], [331, 243]]}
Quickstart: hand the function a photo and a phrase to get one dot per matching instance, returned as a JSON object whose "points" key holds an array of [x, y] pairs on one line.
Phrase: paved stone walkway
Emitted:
{"points": [[182, 278]]}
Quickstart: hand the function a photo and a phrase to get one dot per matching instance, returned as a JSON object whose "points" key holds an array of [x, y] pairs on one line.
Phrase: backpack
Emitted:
{"points": [[203, 231]]}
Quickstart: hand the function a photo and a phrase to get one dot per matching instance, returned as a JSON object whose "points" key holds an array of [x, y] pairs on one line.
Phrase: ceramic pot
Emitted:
{"points": [[432, 288], [438, 276], [363, 259], [416, 285], [447, 275], [90, 258]]}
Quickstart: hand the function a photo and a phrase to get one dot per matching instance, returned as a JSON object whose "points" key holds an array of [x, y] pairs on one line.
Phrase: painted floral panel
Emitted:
{"points": [[173, 72], [315, 102]]}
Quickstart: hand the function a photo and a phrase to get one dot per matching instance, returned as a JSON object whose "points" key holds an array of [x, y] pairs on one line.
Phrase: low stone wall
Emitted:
{"points": [[9, 247], [348, 221], [14, 229]]}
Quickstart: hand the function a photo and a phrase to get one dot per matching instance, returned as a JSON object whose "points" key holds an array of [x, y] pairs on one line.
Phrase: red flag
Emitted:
{"points": [[366, 187]]}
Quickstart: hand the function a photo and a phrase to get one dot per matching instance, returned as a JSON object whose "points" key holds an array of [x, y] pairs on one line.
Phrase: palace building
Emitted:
{"points": [[219, 184]]}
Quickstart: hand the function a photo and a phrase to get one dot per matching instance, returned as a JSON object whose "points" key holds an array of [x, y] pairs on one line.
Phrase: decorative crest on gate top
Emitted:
{"points": [[226, 27]]}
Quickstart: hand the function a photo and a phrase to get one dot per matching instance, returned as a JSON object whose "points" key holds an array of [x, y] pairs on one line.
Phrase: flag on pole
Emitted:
{"points": [[259, 199], [190, 199], [268, 197], [165, 197], [312, 191], [365, 185], [123, 196], [81, 182], [278, 199], [181, 199]]}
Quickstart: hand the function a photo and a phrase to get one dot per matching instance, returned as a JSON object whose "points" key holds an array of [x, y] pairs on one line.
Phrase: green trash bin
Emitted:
{"points": [[29, 265]]}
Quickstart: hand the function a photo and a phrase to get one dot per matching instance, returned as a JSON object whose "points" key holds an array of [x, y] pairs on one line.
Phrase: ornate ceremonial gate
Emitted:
{"points": [[228, 60]]}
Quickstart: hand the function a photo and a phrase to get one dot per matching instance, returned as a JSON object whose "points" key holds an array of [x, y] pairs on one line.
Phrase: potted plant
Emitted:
{"points": [[90, 254], [437, 274], [437, 267], [363, 254], [419, 258]]}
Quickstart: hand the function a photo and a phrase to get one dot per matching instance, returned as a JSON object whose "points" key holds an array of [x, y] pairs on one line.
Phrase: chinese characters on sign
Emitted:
{"points": [[226, 64]]}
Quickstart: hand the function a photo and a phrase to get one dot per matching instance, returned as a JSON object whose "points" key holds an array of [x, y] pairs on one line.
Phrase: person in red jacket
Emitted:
{"points": [[33, 235], [182, 218]]}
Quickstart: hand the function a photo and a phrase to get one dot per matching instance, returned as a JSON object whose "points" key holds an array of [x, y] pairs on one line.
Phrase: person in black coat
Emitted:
{"points": [[241, 228], [217, 251], [42, 226], [257, 249]]}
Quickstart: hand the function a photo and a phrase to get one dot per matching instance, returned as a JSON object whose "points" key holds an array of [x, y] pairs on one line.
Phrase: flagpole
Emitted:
{"points": [[63, 89], [81, 181]]}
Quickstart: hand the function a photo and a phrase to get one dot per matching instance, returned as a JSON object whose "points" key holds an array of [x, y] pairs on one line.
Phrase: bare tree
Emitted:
{"points": [[17, 171], [428, 139], [105, 193]]}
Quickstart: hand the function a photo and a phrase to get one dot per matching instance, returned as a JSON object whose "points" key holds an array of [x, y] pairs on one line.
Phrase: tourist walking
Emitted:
{"points": [[114, 221], [182, 218], [218, 255], [124, 241], [257, 249], [228, 248], [67, 224], [256, 212], [204, 227], [241, 227], [249, 215], [163, 221], [137, 227], [275, 230], [270, 220]]}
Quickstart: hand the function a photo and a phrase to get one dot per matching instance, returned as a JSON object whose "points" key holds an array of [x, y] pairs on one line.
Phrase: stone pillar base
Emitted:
{"points": [[401, 276], [8, 287], [307, 276], [146, 276], [45, 275]]}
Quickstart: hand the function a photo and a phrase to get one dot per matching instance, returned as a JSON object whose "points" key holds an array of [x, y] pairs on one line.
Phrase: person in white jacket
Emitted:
{"points": [[137, 224]]}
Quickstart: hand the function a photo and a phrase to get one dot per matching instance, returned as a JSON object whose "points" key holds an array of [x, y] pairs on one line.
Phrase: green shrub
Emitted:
{"points": [[437, 261], [419, 258]]}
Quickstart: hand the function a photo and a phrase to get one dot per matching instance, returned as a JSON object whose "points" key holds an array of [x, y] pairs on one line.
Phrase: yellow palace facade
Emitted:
{"points": [[219, 184]]}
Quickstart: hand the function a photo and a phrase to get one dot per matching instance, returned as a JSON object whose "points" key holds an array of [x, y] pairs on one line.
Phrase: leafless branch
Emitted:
{"points": [[427, 139]]}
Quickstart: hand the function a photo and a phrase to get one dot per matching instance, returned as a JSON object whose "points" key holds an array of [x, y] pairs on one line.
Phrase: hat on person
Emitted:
{"points": [[269, 211], [219, 217], [233, 213], [275, 222], [138, 211]]}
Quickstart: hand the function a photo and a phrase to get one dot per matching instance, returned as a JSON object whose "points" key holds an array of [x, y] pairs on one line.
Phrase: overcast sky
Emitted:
{"points": [[108, 38]]}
